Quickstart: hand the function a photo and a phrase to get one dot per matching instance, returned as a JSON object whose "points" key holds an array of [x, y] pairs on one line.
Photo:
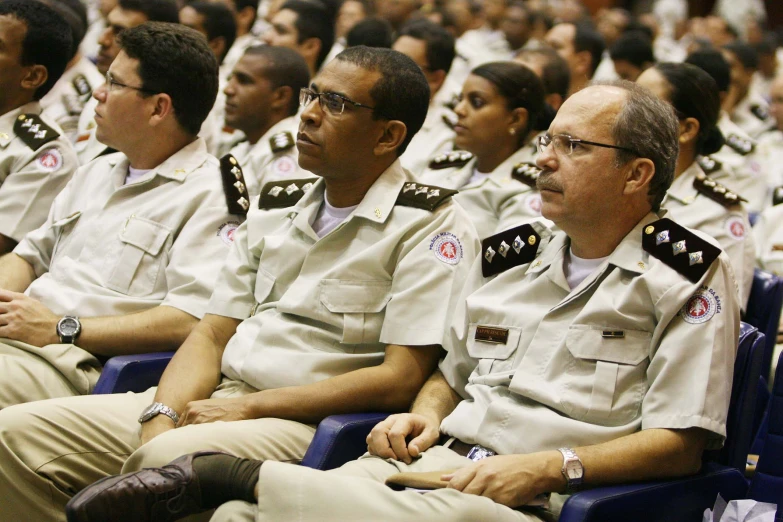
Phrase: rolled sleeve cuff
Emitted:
{"points": [[404, 335], [716, 428], [233, 308]]}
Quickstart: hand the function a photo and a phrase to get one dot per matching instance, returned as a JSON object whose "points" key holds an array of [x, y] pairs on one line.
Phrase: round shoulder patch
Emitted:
{"points": [[701, 307], [533, 202], [447, 247], [283, 167], [50, 160], [226, 231], [735, 226]]}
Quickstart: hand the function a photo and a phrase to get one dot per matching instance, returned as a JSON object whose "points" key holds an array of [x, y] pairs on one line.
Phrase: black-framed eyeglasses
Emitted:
{"points": [[330, 101], [112, 83], [564, 144]]}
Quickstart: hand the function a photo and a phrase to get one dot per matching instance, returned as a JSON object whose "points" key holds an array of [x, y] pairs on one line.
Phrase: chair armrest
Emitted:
{"points": [[676, 500], [135, 373], [340, 439]]}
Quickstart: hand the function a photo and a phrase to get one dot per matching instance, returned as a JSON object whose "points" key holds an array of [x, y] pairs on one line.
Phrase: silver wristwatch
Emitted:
{"points": [[68, 329], [572, 470], [156, 408]]}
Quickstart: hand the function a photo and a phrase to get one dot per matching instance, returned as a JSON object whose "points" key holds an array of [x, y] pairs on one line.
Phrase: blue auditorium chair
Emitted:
{"points": [[135, 373]]}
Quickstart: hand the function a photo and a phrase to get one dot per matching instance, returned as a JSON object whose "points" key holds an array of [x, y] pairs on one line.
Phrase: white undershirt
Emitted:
{"points": [[134, 174], [577, 269], [328, 217], [478, 176]]}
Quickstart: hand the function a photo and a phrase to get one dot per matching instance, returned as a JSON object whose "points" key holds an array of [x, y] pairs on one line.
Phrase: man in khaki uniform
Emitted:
{"points": [[334, 299], [127, 258], [262, 99], [599, 358], [36, 160]]}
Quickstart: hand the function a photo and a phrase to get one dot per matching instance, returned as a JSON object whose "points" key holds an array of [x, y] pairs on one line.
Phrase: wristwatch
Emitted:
{"points": [[68, 329], [572, 470], [156, 408]]}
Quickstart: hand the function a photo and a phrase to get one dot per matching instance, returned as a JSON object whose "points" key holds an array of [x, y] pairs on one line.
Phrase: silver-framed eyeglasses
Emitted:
{"points": [[112, 84], [565, 144], [330, 101]]}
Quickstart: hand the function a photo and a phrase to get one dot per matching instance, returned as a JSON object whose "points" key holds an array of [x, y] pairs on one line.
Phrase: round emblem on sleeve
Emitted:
{"points": [[735, 226], [447, 248], [226, 231], [533, 202], [283, 167], [701, 307], [50, 160]]}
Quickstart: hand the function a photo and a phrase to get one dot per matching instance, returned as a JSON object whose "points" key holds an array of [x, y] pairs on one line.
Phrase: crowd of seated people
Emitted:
{"points": [[525, 230]]}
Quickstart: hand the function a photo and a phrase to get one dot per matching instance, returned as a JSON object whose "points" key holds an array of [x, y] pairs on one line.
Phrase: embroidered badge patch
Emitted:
{"points": [[701, 307], [226, 231], [533, 202], [447, 248], [283, 167], [735, 226], [50, 160]]}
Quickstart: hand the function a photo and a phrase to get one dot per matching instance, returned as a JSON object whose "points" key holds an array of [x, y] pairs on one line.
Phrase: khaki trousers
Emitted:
{"points": [[31, 373], [356, 492], [50, 450]]}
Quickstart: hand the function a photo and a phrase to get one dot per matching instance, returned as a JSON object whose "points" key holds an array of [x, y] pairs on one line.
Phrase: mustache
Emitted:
{"points": [[545, 182]]}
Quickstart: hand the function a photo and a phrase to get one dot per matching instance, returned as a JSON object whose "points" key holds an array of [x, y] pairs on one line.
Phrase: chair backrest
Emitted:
{"points": [[742, 408], [767, 483], [764, 307]]}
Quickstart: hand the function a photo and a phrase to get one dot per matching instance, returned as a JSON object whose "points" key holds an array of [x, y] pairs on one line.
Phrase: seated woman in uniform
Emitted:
{"points": [[501, 109], [696, 198]]}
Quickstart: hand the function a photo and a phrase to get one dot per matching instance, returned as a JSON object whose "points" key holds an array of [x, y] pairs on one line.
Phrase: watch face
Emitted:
{"points": [[574, 470], [68, 326]]}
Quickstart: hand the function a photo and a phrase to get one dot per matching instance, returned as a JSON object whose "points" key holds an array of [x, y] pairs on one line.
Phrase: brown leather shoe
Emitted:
{"points": [[152, 494]]}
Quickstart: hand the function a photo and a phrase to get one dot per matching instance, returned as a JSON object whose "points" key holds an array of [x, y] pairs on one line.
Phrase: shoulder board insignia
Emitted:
{"points": [[284, 193], [679, 248], [82, 86], [458, 158], [234, 187], [709, 165], [759, 112], [281, 141], [428, 197], [447, 121], [514, 247], [740, 145], [716, 192], [33, 131], [452, 103], [777, 195], [73, 104], [526, 173]]}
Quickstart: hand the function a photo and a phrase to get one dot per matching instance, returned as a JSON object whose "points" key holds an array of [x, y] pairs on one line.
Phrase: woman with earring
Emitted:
{"points": [[696, 198], [500, 111]]}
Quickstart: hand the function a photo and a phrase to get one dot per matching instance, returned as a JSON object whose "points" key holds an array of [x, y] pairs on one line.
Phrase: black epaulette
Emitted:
{"points": [[740, 145], [709, 165], [284, 193], [237, 198], [679, 248], [510, 248], [716, 192], [33, 131], [526, 173], [428, 197], [458, 158], [281, 141], [82, 86], [759, 112], [777, 195], [452, 103], [447, 121]]}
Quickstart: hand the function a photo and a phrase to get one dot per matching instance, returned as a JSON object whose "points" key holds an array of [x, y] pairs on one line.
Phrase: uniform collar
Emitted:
{"points": [[8, 120], [176, 167], [502, 174], [682, 189]]}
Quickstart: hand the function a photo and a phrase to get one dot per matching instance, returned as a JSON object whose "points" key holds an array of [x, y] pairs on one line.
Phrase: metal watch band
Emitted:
{"points": [[170, 413], [569, 456]]}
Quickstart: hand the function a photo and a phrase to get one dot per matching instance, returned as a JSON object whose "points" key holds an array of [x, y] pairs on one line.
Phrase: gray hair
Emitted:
{"points": [[649, 127]]}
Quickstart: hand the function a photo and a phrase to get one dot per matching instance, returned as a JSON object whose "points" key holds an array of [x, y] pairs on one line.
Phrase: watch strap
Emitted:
{"points": [[572, 484]]}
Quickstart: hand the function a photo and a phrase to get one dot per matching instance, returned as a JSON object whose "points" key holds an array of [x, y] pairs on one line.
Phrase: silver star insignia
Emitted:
{"points": [[517, 244], [662, 237], [290, 189], [695, 258], [503, 249], [678, 247], [306, 187], [243, 203], [409, 187], [239, 186], [275, 191], [421, 190], [433, 193], [40, 135], [489, 254]]}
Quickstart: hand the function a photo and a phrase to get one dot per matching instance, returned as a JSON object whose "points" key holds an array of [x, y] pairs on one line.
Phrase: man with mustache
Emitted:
{"points": [[334, 299], [602, 355]]}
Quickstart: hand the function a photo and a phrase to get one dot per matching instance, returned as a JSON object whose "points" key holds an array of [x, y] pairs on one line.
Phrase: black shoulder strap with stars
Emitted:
{"points": [[82, 86], [284, 193], [446, 120], [740, 145], [33, 131], [458, 158], [679, 248], [514, 247], [428, 197], [237, 198], [526, 173], [716, 192], [281, 141], [709, 164], [759, 112]]}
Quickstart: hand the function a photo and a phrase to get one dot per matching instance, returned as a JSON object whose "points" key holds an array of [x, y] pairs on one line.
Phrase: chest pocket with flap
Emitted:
{"points": [[604, 382], [140, 261], [362, 304], [62, 229], [493, 357]]}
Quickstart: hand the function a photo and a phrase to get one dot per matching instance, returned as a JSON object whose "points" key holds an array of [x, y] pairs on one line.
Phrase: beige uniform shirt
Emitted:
{"points": [[435, 137], [769, 155], [67, 99], [315, 308], [111, 249], [635, 346], [752, 115], [261, 165], [30, 178], [745, 174], [729, 226], [768, 232], [494, 203]]}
